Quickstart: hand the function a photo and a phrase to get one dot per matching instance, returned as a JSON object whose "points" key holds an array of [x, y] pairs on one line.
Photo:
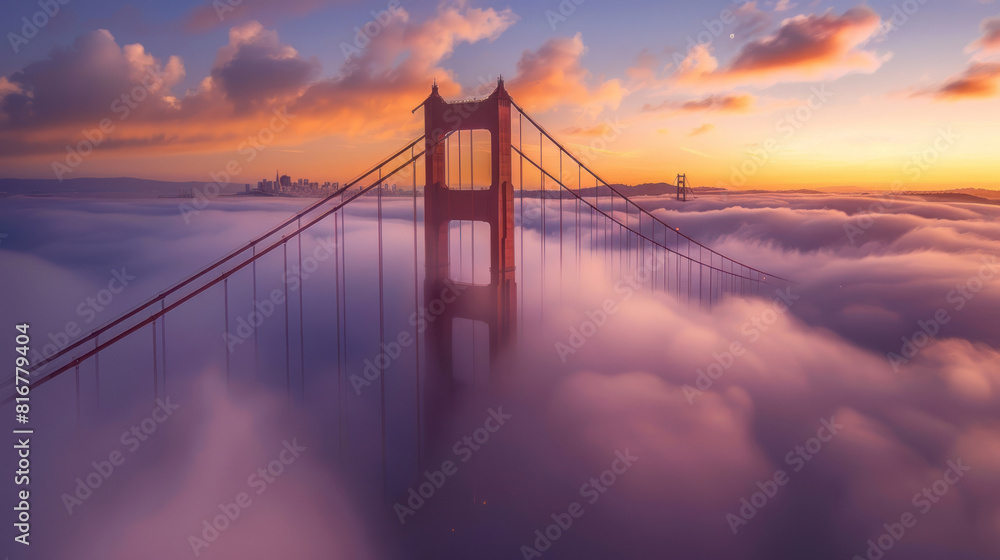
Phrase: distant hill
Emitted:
{"points": [[955, 196], [112, 185], [843, 189], [989, 194], [646, 189]]}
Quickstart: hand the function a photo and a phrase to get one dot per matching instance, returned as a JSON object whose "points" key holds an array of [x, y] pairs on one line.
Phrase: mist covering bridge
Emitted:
{"points": [[455, 269]]}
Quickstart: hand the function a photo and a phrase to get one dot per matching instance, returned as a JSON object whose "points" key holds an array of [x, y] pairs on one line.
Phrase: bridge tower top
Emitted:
{"points": [[493, 303]]}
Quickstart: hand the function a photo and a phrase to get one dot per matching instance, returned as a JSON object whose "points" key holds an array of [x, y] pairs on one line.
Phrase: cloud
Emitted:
{"points": [[255, 69], [811, 364], [205, 451], [990, 41], [727, 103], [376, 90], [980, 80], [80, 83], [623, 389], [252, 75], [590, 131], [783, 5], [702, 130], [646, 67], [750, 20], [804, 48], [554, 76]]}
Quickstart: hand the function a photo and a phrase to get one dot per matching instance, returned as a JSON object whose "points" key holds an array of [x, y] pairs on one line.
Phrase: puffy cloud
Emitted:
{"points": [[980, 80], [253, 74], [749, 20], [990, 41], [554, 76], [624, 388], [728, 103], [256, 69], [207, 448], [783, 5], [377, 89], [83, 83], [645, 68], [807, 41], [804, 48]]}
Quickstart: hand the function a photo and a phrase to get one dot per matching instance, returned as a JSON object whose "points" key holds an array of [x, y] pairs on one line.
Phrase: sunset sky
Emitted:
{"points": [[822, 93]]}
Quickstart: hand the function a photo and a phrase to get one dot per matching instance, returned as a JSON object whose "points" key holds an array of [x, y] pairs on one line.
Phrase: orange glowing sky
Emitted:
{"points": [[767, 94]]}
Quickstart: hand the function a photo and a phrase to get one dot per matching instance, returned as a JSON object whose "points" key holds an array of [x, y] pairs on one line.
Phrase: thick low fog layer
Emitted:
{"points": [[854, 412]]}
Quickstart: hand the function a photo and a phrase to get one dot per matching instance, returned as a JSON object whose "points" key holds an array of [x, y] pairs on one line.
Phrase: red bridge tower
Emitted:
{"points": [[495, 303]]}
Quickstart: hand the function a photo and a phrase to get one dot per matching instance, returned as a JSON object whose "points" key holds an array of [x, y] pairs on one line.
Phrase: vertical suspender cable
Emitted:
{"points": [[77, 375], [461, 224], [472, 227], [302, 321], [225, 312], [340, 369], [253, 306], [579, 232], [541, 178], [156, 389], [520, 178], [163, 343], [381, 323], [416, 309], [97, 369], [343, 299], [559, 188], [288, 354]]}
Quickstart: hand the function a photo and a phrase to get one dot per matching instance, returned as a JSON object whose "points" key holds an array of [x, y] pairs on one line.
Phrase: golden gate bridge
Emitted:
{"points": [[530, 180]]}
